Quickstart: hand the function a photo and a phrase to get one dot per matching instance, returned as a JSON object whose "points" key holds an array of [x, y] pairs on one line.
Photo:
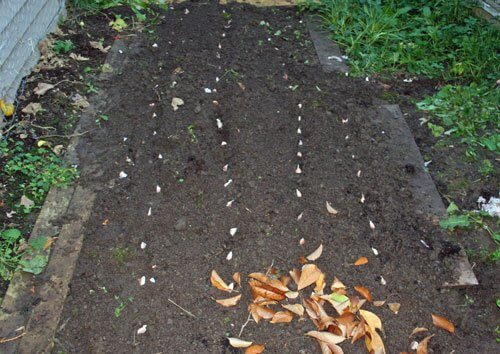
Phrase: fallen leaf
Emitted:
{"points": [[316, 254], [217, 281], [443, 323], [374, 343], [361, 261], [372, 320], [330, 209], [364, 292], [237, 278], [337, 284], [295, 275], [422, 346], [232, 301], [379, 303], [42, 88], [274, 283], [99, 46], [394, 307], [176, 102], [33, 108], [326, 337], [238, 343], [78, 57], [310, 273], [292, 294], [258, 312], [418, 330], [329, 348], [264, 292], [7, 108], [303, 260], [255, 349], [282, 317], [26, 202], [297, 309]]}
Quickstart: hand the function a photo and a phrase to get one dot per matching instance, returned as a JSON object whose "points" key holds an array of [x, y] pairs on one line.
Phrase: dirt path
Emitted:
{"points": [[175, 195]]}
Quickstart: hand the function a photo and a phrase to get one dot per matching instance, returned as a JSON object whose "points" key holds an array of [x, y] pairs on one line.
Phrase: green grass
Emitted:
{"points": [[442, 40]]}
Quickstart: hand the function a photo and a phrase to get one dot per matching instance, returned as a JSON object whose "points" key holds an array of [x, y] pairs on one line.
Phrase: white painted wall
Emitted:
{"points": [[23, 23]]}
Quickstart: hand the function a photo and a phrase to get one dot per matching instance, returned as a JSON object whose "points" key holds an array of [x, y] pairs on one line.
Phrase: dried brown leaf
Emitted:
{"points": [[443, 323], [422, 346], [374, 343], [310, 273], [273, 283], [364, 292], [297, 309], [379, 303], [237, 278], [255, 349], [217, 281], [418, 330], [232, 301], [42, 88], [361, 261], [316, 254], [282, 317], [372, 320], [394, 307], [326, 337]]}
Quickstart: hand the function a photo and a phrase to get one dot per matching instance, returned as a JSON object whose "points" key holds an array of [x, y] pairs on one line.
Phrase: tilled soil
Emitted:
{"points": [[266, 81]]}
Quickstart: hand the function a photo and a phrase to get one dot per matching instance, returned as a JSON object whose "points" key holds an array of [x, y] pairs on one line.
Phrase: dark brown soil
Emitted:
{"points": [[258, 105]]}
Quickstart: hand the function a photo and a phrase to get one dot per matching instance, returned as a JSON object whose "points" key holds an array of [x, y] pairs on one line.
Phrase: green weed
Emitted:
{"points": [[31, 173], [441, 40], [121, 254], [63, 47], [467, 113]]}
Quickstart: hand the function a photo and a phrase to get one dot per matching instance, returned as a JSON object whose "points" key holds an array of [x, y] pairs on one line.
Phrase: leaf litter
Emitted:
{"points": [[338, 316]]}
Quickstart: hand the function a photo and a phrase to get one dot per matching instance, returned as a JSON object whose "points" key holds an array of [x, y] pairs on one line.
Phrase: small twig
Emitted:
{"points": [[41, 127], [6, 340], [244, 325], [182, 308], [66, 136], [270, 267]]}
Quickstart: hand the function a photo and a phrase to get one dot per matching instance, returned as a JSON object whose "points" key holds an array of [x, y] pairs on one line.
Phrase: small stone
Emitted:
{"points": [[197, 109]]}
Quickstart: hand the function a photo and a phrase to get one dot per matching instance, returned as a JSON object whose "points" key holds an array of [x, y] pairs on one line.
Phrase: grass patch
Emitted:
{"points": [[441, 40]]}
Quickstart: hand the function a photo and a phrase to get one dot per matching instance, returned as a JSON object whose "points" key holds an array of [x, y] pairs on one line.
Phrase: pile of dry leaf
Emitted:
{"points": [[337, 315]]}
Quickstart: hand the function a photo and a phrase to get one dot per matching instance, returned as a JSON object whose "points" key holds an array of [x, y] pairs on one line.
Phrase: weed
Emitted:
{"points": [[487, 168], [122, 304], [199, 200], [63, 47], [139, 7], [121, 254], [31, 173], [440, 39], [9, 252], [466, 220], [191, 131], [226, 15], [468, 113], [101, 119], [90, 87]]}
